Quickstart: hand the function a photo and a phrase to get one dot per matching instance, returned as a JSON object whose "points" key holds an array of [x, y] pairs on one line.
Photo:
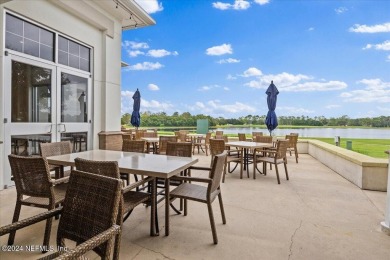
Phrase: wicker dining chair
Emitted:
{"points": [[91, 222], [53, 149], [136, 146], [241, 137], [35, 188], [202, 143], [218, 132], [217, 146], [162, 144], [130, 199], [292, 145], [254, 134], [277, 156], [203, 194]]}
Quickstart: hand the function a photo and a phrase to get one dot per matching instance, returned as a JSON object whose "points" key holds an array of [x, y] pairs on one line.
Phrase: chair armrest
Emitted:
{"points": [[61, 180], [87, 245], [199, 168], [136, 184], [29, 221], [187, 178]]}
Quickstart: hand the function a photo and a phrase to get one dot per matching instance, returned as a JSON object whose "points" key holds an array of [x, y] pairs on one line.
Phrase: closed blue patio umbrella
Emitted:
{"points": [[271, 121], [135, 116]]}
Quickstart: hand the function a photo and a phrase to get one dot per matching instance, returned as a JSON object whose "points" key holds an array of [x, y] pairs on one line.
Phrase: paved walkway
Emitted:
{"points": [[317, 214]]}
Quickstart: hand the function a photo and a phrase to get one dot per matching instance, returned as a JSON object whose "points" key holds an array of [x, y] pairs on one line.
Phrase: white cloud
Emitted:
{"points": [[135, 53], [341, 10], [251, 72], [385, 46], [145, 66], [316, 86], [153, 87], [220, 50], [238, 5], [146, 105], [280, 80], [332, 106], [210, 87], [294, 110], [161, 53], [261, 2], [230, 77], [378, 28], [384, 109], [226, 88], [135, 45], [311, 29], [375, 91], [215, 107], [229, 60], [150, 6]]}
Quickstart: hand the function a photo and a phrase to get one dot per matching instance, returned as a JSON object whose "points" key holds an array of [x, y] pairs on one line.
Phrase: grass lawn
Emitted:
{"points": [[371, 147]]}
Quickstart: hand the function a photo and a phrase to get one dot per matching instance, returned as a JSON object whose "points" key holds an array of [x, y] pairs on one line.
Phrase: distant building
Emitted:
{"points": [[60, 73]]}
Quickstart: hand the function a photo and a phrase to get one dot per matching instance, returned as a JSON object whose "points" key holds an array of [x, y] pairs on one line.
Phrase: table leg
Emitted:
{"points": [[167, 202], [153, 211]]}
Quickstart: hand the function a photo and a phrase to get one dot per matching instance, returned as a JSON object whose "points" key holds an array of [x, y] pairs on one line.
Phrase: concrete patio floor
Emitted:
{"points": [[317, 214]]}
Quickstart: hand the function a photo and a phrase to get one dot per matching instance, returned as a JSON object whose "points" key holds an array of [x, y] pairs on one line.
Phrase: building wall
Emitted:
{"points": [[106, 45]]}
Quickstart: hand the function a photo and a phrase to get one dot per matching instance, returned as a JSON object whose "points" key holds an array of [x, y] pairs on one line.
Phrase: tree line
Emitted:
{"points": [[162, 119]]}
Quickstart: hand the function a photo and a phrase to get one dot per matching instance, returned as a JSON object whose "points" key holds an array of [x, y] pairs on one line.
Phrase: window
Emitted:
{"points": [[73, 54], [28, 38]]}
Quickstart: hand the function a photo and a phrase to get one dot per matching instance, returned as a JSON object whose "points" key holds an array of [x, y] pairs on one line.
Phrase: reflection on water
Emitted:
{"points": [[370, 133]]}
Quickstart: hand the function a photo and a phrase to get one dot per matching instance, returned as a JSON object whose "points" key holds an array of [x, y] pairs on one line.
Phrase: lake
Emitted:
{"points": [[366, 133]]}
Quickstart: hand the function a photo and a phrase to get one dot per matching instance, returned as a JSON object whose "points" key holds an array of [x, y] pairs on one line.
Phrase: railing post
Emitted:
{"points": [[386, 224]]}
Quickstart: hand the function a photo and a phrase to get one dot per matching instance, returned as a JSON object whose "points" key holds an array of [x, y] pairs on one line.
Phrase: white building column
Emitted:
{"points": [[386, 224]]}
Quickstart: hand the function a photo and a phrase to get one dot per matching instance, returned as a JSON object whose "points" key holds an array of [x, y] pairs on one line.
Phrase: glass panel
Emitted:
{"points": [[74, 48], [31, 31], [30, 93], [46, 52], [14, 42], [14, 25], [63, 58], [73, 61], [28, 144], [62, 44], [79, 140], [46, 37], [84, 65], [84, 52], [74, 99], [31, 47]]}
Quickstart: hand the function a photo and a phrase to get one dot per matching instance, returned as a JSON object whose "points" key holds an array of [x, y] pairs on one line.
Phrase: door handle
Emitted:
{"points": [[59, 128]]}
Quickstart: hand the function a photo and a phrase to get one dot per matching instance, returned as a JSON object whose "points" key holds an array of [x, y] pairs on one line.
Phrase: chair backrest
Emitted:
{"points": [[104, 168], [216, 171], [126, 136], [254, 134], [217, 146], [56, 148], [150, 134], [139, 134], [292, 140], [90, 207], [281, 149], [181, 149], [207, 139], [162, 144], [297, 134], [136, 146], [241, 137], [222, 137], [31, 176], [183, 136], [263, 139], [218, 132]]}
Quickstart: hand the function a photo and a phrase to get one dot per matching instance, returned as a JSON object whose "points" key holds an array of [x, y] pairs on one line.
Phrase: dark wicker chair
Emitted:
{"points": [[136, 146], [277, 156], [241, 137], [131, 198], [217, 146], [202, 143], [292, 145], [190, 191], [32, 179], [254, 134], [162, 144], [91, 222], [53, 149]]}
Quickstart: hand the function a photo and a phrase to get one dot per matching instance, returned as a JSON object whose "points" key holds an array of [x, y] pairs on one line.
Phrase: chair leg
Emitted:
{"points": [[15, 218], [212, 223], [285, 169], [185, 207], [277, 173], [224, 173], [46, 239], [222, 209], [296, 155], [117, 243]]}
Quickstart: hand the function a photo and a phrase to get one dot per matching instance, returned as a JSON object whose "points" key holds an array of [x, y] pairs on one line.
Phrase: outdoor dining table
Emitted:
{"points": [[245, 146], [153, 165], [151, 140]]}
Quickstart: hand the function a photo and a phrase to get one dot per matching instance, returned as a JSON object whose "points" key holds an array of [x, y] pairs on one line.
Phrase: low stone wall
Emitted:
{"points": [[366, 172]]}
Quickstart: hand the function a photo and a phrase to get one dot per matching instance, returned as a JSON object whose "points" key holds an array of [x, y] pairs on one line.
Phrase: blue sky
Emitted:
{"points": [[327, 58]]}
